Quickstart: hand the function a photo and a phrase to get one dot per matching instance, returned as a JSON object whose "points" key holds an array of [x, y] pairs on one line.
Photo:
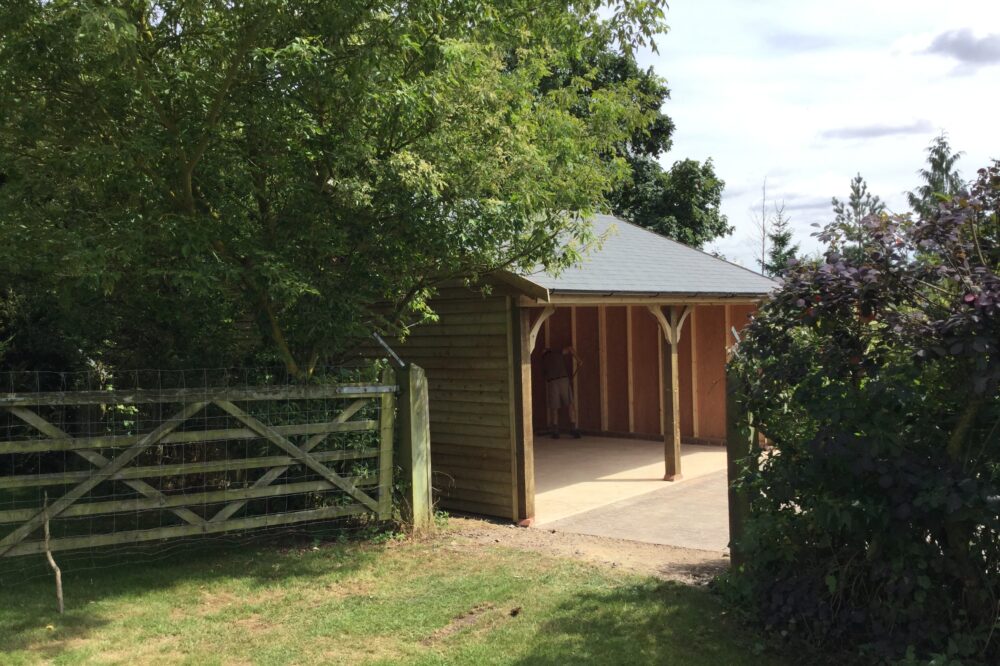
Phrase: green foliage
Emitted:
{"points": [[195, 183], [850, 214], [874, 519], [782, 250], [941, 180], [683, 203]]}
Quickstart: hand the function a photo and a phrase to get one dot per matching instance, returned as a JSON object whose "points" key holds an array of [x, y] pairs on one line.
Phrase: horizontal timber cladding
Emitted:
{"points": [[466, 354]]}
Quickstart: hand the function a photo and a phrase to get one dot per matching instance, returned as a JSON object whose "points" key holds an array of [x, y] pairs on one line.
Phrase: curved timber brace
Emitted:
{"points": [[671, 406], [537, 326]]}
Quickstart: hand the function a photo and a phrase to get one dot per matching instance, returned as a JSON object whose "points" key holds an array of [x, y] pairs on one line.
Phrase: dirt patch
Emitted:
{"points": [[467, 619], [254, 623], [694, 567], [348, 588]]}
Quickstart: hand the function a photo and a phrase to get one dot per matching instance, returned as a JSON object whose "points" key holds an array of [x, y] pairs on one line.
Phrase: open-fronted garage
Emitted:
{"points": [[651, 321]]}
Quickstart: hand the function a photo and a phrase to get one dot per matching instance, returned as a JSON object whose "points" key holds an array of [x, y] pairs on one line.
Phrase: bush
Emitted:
{"points": [[874, 373]]}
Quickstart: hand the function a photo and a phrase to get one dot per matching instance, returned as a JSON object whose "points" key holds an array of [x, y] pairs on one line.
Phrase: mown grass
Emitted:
{"points": [[431, 602]]}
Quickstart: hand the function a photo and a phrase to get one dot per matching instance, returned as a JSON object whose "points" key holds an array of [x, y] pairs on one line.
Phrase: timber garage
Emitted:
{"points": [[641, 329]]}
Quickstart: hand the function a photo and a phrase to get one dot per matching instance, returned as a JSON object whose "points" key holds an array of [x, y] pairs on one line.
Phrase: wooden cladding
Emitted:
{"points": [[618, 385], [467, 356]]}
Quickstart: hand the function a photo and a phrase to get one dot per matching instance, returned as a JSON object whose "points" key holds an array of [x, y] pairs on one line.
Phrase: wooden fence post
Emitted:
{"points": [[415, 446], [739, 439], [387, 415]]}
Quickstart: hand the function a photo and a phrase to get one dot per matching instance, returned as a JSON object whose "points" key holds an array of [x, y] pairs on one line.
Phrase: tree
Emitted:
{"points": [[875, 377], [782, 250], [761, 226], [849, 216], [195, 182], [683, 203], [941, 180]]}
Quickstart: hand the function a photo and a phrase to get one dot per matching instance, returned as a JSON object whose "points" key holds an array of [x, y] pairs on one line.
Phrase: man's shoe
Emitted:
{"points": [[576, 434], [555, 434]]}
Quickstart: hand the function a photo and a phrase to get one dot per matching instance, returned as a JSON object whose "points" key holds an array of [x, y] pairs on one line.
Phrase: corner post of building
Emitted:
{"points": [[415, 447], [740, 436], [670, 395], [523, 336]]}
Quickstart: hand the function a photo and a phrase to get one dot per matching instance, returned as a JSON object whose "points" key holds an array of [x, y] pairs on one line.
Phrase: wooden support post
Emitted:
{"points": [[671, 395], [415, 446], [387, 420], [524, 436], [740, 435], [672, 440]]}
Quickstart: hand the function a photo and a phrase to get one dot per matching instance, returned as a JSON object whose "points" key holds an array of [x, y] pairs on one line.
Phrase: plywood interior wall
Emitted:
{"points": [[616, 346], [588, 380], [645, 390], [633, 368]]}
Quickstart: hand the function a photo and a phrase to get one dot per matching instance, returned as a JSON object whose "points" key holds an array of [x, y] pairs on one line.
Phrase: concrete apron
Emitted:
{"points": [[614, 487]]}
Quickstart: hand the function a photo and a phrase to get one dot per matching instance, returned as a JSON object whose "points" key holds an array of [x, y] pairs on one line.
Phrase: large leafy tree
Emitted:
{"points": [[683, 203], [941, 180], [193, 181]]}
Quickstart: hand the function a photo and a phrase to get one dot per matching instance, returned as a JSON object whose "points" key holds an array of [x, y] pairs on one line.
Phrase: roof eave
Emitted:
{"points": [[567, 297], [530, 289]]}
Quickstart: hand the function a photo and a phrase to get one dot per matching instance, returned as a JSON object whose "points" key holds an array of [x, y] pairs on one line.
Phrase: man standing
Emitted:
{"points": [[558, 370]]}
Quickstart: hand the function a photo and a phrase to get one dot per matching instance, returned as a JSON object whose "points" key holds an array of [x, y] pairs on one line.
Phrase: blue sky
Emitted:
{"points": [[809, 93]]}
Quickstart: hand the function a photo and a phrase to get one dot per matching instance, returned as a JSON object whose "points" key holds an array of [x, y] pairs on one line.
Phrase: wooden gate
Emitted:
{"points": [[158, 464]]}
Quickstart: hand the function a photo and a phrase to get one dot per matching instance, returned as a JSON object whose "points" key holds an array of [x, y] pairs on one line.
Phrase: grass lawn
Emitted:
{"points": [[440, 601]]}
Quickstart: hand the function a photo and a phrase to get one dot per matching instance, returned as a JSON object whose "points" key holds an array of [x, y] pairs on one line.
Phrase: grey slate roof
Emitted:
{"points": [[634, 260]]}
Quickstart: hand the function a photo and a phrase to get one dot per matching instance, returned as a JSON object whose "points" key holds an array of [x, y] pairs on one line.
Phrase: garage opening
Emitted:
{"points": [[610, 481]]}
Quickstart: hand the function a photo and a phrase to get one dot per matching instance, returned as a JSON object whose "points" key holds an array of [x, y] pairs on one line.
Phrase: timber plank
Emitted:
{"points": [[187, 437], [183, 499], [191, 395], [179, 469], [138, 536]]}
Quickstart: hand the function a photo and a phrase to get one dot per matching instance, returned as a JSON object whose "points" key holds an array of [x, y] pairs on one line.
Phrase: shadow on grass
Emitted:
{"points": [[27, 588], [644, 623]]}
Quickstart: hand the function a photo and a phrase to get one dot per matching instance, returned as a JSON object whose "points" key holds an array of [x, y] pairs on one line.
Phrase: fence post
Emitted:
{"points": [[387, 417], [739, 439], [415, 446]]}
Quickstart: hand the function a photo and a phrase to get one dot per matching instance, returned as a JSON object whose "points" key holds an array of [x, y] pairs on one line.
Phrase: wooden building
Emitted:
{"points": [[651, 320]]}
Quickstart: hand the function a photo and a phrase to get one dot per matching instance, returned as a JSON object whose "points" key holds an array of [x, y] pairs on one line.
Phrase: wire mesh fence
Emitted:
{"points": [[102, 461]]}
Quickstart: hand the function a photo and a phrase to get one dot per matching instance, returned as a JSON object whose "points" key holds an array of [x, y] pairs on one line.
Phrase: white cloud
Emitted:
{"points": [[809, 94]]}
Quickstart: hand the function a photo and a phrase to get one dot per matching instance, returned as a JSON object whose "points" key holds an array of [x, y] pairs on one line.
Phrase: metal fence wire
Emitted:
{"points": [[104, 460]]}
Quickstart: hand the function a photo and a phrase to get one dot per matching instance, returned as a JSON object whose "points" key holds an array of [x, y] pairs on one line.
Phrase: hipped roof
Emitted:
{"points": [[634, 261]]}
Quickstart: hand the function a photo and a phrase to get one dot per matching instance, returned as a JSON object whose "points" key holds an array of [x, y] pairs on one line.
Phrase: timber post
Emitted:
{"points": [[415, 447], [670, 396], [740, 435]]}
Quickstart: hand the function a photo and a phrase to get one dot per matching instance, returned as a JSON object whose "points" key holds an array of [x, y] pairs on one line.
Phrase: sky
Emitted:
{"points": [[807, 94]]}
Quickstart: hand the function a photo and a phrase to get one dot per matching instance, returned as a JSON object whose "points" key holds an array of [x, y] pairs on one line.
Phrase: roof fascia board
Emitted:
{"points": [[646, 299], [533, 290]]}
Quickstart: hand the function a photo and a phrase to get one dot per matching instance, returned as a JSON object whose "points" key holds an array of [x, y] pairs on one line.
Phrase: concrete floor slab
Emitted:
{"points": [[574, 476], [688, 515]]}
